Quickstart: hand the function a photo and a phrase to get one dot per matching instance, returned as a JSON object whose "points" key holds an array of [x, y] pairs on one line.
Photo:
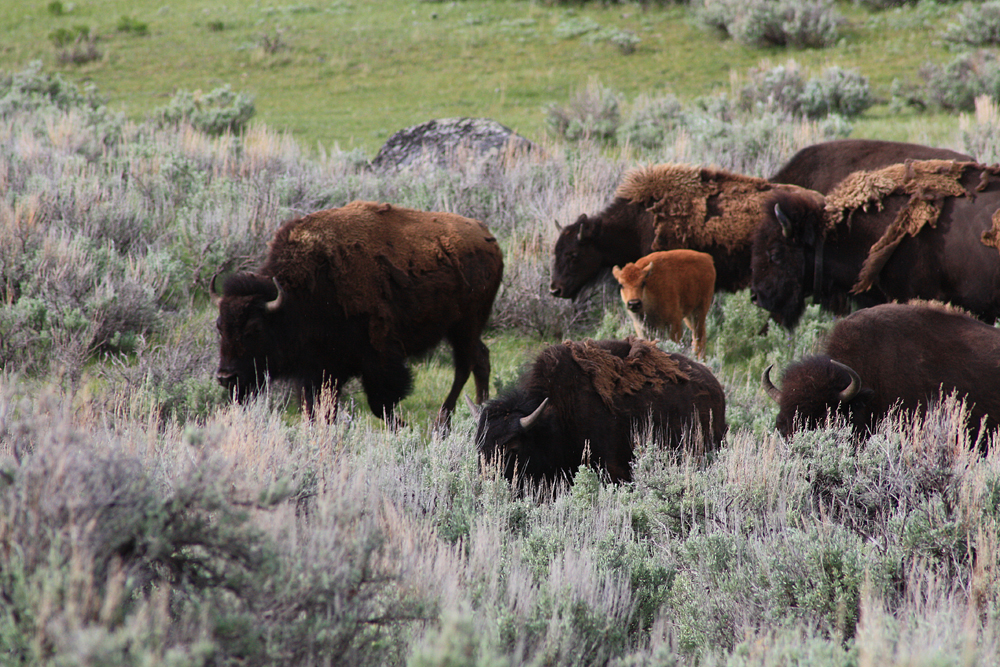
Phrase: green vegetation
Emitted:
{"points": [[353, 73], [145, 520]]}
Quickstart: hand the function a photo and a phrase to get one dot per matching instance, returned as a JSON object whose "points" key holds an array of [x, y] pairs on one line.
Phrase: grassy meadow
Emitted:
{"points": [[146, 520]]}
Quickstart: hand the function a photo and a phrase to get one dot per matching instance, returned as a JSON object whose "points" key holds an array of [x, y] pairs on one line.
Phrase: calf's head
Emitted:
{"points": [[633, 279]]}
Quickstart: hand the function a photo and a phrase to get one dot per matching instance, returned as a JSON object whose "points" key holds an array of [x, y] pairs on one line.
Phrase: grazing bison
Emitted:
{"points": [[894, 355], [627, 228], [581, 402], [354, 291], [822, 166], [666, 290], [924, 229], [665, 207]]}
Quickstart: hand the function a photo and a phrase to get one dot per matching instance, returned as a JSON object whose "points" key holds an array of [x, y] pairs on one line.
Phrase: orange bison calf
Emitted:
{"points": [[664, 289]]}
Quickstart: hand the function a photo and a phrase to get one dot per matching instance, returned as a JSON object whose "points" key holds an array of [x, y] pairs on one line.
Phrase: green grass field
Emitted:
{"points": [[352, 73]]}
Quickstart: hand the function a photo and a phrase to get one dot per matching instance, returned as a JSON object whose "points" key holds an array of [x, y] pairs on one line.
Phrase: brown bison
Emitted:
{"points": [[665, 207], [638, 220], [582, 402], [354, 291], [889, 356], [923, 229], [822, 166], [665, 290]]}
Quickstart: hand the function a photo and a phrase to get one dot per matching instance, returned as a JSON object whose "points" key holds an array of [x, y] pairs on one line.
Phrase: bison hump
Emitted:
{"points": [[644, 366]]}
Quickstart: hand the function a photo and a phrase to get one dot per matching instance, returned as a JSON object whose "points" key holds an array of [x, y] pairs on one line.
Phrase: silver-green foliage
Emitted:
{"points": [[762, 23]]}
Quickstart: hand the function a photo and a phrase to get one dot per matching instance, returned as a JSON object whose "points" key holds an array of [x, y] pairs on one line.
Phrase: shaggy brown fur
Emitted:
{"points": [[612, 376], [927, 182], [697, 205], [368, 248], [992, 237]]}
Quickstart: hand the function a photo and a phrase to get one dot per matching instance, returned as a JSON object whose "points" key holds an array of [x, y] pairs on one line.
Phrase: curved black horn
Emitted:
{"points": [[529, 421], [212, 294], [769, 387], [852, 389], [558, 226], [275, 304], [786, 224]]}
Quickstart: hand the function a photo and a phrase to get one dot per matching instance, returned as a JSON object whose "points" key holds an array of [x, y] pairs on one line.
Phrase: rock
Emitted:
{"points": [[447, 143]]}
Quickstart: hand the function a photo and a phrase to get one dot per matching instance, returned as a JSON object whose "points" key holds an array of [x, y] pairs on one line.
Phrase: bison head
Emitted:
{"points": [[248, 345], [783, 253], [815, 389], [576, 257], [504, 431]]}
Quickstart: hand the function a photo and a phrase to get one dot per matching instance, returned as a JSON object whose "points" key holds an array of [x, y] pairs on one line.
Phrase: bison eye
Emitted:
{"points": [[775, 257]]}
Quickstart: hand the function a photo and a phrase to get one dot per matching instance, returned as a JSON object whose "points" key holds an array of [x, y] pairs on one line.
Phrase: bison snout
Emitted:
{"points": [[555, 291], [635, 305], [753, 297], [225, 378]]}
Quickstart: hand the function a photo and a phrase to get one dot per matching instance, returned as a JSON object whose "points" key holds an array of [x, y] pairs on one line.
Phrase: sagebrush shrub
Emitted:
{"points": [[953, 86], [761, 23], [978, 24], [218, 111]]}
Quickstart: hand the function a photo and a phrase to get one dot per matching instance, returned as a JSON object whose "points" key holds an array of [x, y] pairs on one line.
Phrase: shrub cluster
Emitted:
{"points": [[953, 86], [977, 25], [216, 112], [837, 91], [761, 23]]}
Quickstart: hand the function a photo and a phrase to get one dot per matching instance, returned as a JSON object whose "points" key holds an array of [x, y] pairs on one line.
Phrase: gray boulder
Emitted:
{"points": [[448, 143]]}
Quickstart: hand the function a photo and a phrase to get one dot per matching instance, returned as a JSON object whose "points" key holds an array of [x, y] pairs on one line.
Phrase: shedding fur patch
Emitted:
{"points": [[610, 375], [677, 195], [367, 250], [991, 237], [926, 182]]}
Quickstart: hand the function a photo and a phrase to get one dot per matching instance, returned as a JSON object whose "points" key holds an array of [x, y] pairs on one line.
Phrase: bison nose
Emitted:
{"points": [[753, 297], [555, 290], [635, 305], [225, 378]]}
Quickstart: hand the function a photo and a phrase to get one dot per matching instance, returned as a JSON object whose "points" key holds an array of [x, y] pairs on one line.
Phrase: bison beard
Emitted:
{"points": [[353, 292], [580, 403]]}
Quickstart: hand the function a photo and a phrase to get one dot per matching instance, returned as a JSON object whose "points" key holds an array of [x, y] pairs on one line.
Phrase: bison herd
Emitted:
{"points": [[355, 291]]}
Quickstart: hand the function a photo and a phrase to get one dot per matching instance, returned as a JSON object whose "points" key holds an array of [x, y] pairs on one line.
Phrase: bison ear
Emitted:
{"points": [[616, 271], [786, 224], [646, 270], [589, 228]]}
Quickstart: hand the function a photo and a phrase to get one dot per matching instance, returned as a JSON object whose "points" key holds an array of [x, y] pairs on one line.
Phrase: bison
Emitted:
{"points": [[581, 402], [627, 228], [666, 290], [354, 291], [922, 229], [822, 166], [889, 356]]}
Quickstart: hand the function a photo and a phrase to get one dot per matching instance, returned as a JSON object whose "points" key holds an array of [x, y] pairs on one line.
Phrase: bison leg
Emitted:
{"points": [[470, 356], [386, 382]]}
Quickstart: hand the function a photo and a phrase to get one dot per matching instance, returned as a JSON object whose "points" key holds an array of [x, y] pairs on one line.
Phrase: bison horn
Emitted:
{"points": [[769, 387], [275, 304], [558, 226], [212, 294], [786, 224], [473, 408], [529, 421], [852, 389]]}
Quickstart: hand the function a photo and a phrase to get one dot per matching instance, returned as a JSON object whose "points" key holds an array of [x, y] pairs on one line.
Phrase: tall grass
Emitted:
{"points": [[146, 520]]}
